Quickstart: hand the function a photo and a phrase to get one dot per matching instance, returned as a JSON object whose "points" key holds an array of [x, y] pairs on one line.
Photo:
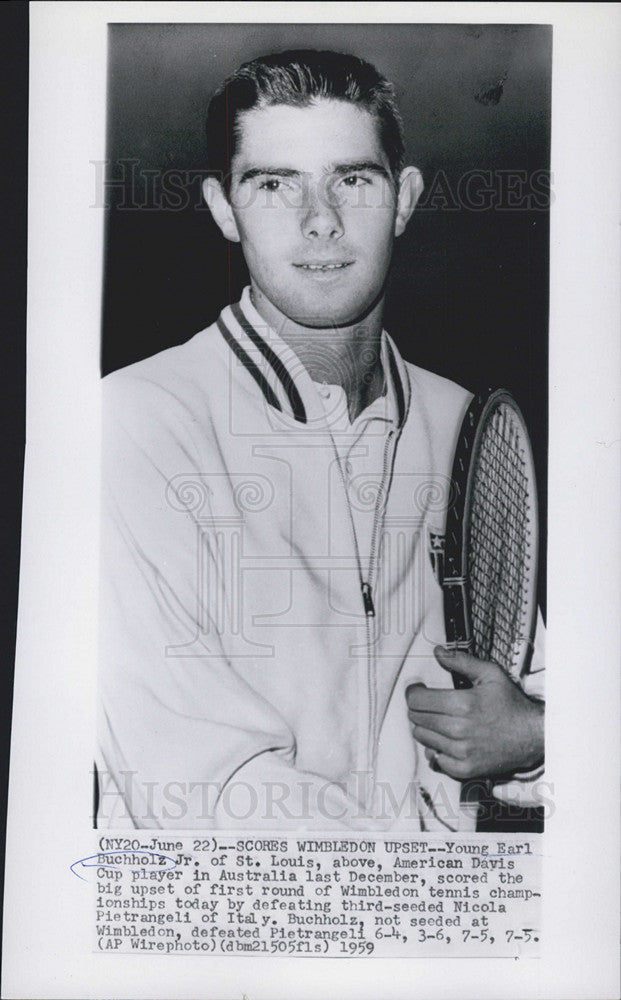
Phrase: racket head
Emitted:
{"points": [[490, 579]]}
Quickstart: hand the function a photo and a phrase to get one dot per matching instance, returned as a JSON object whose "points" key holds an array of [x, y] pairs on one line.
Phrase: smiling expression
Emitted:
{"points": [[313, 202]]}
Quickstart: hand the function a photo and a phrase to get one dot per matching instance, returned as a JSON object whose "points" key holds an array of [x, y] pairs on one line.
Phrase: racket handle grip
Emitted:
{"points": [[461, 682]]}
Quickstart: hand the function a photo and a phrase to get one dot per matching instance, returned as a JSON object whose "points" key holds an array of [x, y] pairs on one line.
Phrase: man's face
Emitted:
{"points": [[316, 210]]}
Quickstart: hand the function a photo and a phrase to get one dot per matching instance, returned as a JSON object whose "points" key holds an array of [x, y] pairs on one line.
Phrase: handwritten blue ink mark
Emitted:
{"points": [[101, 864]]}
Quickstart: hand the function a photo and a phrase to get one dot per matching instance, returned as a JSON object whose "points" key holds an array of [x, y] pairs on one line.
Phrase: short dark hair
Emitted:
{"points": [[297, 77]]}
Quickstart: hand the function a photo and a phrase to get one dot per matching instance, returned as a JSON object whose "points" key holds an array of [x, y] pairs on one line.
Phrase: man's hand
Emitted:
{"points": [[490, 729]]}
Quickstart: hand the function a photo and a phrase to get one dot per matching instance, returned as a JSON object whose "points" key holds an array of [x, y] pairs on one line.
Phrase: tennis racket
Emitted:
{"points": [[490, 561]]}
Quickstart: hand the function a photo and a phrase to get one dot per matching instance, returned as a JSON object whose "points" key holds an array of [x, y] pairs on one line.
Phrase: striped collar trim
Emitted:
{"points": [[281, 376]]}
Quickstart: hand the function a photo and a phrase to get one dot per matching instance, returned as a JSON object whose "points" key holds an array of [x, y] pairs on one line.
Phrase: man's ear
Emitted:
{"points": [[410, 189], [220, 208]]}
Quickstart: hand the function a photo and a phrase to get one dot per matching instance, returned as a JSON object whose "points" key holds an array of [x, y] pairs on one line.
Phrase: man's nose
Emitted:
{"points": [[321, 216]]}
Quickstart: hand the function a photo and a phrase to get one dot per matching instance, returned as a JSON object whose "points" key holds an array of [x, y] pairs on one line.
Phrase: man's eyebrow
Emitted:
{"points": [[268, 171], [361, 166], [340, 169]]}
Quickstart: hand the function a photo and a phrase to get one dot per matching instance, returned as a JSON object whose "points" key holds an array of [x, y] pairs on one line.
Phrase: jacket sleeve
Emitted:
{"points": [[184, 741]]}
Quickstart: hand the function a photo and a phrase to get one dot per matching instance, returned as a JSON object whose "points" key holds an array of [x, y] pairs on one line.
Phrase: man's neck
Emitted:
{"points": [[349, 356]]}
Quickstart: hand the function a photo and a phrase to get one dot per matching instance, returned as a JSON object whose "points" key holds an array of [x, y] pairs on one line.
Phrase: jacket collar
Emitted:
{"points": [[281, 376]]}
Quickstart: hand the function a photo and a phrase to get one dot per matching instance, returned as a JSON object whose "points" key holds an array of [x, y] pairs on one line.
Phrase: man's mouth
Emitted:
{"points": [[333, 266]]}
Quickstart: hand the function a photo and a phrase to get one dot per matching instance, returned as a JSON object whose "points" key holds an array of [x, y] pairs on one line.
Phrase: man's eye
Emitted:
{"points": [[271, 184], [355, 180]]}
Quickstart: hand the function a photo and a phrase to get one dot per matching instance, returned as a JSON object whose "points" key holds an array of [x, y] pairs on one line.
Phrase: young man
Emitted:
{"points": [[275, 495]]}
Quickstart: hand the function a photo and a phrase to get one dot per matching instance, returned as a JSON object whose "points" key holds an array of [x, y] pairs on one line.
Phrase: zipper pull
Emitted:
{"points": [[367, 600]]}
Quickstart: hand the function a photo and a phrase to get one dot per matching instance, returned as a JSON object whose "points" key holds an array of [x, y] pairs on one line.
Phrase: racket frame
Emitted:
{"points": [[457, 611]]}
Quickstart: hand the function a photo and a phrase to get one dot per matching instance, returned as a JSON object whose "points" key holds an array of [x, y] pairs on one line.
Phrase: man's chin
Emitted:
{"points": [[323, 309], [327, 322], [315, 318]]}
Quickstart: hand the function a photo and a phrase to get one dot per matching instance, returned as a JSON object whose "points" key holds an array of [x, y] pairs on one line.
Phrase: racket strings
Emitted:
{"points": [[499, 550]]}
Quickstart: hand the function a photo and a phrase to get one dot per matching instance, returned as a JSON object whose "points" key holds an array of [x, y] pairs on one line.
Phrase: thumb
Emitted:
{"points": [[458, 662]]}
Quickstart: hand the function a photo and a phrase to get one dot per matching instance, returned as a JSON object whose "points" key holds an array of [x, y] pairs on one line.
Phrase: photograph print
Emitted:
{"points": [[324, 361]]}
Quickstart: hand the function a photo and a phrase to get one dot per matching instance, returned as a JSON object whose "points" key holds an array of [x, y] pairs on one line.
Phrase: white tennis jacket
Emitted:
{"points": [[270, 587]]}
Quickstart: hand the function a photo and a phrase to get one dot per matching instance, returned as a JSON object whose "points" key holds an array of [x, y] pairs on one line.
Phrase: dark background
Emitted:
{"points": [[13, 235], [468, 292]]}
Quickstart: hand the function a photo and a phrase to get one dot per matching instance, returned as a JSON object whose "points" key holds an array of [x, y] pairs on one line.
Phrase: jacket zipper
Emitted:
{"points": [[380, 505], [367, 588]]}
